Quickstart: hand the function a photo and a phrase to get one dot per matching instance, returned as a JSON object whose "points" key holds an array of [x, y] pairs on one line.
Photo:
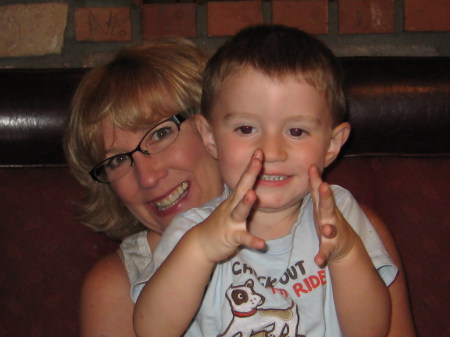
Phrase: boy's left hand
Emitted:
{"points": [[336, 236]]}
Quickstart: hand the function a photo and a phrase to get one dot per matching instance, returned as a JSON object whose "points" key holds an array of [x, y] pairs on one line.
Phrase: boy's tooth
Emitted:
{"points": [[272, 178]]}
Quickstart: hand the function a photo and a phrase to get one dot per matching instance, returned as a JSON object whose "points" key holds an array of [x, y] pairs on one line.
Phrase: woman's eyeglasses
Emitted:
{"points": [[155, 140]]}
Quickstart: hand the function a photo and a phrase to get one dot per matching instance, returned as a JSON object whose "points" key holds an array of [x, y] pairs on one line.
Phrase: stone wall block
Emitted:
{"points": [[32, 30]]}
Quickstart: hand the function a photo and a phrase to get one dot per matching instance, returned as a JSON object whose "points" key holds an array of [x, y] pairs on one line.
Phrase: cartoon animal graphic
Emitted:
{"points": [[249, 320]]}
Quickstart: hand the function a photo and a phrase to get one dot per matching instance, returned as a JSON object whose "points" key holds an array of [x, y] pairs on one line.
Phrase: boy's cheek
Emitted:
{"points": [[232, 163]]}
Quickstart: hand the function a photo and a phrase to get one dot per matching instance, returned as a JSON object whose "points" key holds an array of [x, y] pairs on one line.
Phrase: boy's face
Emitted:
{"points": [[289, 120]]}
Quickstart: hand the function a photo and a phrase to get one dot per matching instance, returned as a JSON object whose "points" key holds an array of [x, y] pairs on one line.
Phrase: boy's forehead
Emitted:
{"points": [[274, 76], [251, 74], [251, 92]]}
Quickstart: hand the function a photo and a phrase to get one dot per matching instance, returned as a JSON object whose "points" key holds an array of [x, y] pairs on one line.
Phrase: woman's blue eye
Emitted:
{"points": [[161, 133], [246, 130], [296, 132], [117, 161]]}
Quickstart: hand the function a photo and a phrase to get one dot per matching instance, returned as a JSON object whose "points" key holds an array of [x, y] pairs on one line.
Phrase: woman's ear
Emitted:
{"points": [[339, 136], [204, 128]]}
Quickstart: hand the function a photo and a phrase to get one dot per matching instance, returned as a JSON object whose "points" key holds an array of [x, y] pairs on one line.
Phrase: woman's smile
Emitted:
{"points": [[172, 198]]}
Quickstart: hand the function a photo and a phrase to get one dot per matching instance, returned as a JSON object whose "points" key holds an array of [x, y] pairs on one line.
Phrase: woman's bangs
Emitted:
{"points": [[137, 107]]}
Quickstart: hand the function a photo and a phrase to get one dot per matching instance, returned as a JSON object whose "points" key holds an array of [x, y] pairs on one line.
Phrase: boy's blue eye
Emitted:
{"points": [[246, 130], [295, 132]]}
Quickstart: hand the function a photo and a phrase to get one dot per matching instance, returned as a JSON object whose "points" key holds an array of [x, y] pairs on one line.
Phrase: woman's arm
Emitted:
{"points": [[402, 324], [106, 307]]}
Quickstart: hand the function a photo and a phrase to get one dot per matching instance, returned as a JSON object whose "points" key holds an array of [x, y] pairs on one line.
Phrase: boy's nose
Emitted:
{"points": [[274, 148], [147, 170]]}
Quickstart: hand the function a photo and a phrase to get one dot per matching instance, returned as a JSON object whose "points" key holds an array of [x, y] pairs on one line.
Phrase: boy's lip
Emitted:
{"points": [[273, 179], [171, 198]]}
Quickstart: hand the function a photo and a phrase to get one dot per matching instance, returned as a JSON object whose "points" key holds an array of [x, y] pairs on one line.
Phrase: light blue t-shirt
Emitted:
{"points": [[281, 289]]}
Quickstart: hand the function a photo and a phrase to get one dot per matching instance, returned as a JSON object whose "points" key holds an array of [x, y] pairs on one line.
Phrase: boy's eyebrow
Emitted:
{"points": [[229, 115], [301, 118], [313, 120]]}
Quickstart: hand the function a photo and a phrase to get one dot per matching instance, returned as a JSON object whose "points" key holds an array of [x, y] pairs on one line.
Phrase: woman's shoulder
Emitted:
{"points": [[109, 268], [111, 272], [107, 279], [105, 297]]}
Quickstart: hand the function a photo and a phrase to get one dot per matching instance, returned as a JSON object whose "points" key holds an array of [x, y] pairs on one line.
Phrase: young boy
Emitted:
{"points": [[280, 253]]}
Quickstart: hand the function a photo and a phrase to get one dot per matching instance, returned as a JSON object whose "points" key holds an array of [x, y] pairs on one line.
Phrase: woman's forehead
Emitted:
{"points": [[111, 129], [137, 118], [114, 138]]}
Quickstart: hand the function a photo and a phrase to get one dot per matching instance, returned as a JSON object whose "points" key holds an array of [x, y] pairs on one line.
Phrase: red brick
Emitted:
{"points": [[423, 15], [366, 16], [103, 24], [308, 15], [171, 19], [227, 17]]}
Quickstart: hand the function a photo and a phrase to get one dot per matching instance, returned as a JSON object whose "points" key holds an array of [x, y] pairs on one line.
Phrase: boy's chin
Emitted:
{"points": [[272, 206]]}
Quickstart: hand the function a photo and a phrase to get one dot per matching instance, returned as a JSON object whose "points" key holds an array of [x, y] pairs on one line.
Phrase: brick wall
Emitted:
{"points": [[74, 33]]}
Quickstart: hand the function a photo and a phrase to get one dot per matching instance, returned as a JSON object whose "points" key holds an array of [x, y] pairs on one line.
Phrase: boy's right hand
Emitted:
{"points": [[226, 228], [337, 238]]}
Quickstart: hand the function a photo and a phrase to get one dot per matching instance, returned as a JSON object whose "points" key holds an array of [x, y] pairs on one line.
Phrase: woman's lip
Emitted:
{"points": [[171, 199]]}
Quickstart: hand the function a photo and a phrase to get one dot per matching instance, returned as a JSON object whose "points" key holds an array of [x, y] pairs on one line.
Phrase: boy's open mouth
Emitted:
{"points": [[272, 177]]}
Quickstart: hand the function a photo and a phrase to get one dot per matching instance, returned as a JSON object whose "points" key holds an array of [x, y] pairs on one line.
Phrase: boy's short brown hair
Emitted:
{"points": [[277, 51]]}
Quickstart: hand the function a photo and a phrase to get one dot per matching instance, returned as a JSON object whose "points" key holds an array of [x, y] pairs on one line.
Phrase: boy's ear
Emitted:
{"points": [[204, 128], [338, 138]]}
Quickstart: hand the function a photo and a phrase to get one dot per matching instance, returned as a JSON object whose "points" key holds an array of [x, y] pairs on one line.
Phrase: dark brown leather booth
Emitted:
{"points": [[397, 162]]}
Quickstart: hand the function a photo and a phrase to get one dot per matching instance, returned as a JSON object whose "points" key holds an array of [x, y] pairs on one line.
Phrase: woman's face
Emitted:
{"points": [[160, 186]]}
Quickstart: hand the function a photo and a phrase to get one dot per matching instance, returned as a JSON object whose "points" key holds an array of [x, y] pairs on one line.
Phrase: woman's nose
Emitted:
{"points": [[147, 170], [273, 147]]}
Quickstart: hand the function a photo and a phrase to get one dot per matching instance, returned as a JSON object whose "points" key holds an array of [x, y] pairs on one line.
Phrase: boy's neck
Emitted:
{"points": [[270, 225]]}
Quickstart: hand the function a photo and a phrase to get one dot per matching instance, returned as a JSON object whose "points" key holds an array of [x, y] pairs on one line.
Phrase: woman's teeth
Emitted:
{"points": [[272, 178], [173, 197]]}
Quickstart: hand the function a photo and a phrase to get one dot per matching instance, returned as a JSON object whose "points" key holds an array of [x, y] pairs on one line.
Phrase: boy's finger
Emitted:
{"points": [[248, 178], [250, 241], [323, 254], [242, 210], [326, 202], [328, 231], [314, 182]]}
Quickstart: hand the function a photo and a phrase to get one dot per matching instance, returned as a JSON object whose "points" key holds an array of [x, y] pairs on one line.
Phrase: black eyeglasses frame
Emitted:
{"points": [[177, 119]]}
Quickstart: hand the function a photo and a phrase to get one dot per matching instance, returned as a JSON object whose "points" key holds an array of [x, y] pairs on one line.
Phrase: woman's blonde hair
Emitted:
{"points": [[140, 85]]}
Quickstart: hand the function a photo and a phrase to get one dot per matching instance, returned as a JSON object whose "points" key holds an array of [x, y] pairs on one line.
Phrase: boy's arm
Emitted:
{"points": [[361, 298], [172, 296]]}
